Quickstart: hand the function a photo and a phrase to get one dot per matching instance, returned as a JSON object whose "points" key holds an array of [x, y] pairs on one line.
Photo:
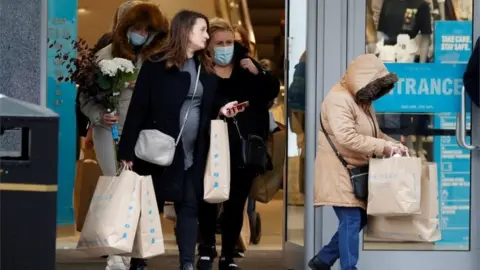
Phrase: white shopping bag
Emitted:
{"points": [[394, 186], [217, 171], [112, 217], [418, 228], [149, 237]]}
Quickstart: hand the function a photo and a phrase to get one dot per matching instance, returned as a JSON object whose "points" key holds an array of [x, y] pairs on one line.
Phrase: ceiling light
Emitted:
{"points": [[82, 10]]}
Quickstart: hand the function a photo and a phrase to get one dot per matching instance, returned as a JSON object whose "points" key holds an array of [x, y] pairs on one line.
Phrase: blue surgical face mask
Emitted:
{"points": [[223, 55], [136, 39]]}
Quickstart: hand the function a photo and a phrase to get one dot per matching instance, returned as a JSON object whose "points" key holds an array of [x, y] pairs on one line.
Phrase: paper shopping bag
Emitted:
{"points": [[267, 185], [419, 228], [149, 237], [112, 218], [86, 178], [295, 179], [217, 171], [245, 234], [169, 212], [394, 186]]}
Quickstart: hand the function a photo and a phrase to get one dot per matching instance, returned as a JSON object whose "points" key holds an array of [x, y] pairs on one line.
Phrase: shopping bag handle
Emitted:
{"points": [[406, 154], [123, 167]]}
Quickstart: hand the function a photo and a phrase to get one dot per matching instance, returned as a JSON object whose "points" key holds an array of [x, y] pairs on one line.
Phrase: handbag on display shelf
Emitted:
{"points": [[157, 147]]}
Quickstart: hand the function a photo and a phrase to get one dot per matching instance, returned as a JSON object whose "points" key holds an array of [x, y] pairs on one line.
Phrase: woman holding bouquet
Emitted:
{"points": [[140, 30], [166, 89]]}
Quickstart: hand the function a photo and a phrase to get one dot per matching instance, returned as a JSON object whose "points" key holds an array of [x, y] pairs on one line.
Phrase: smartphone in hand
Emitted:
{"points": [[241, 106]]}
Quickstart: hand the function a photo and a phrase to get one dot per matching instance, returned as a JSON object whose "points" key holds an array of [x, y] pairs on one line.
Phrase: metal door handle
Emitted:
{"points": [[461, 129]]}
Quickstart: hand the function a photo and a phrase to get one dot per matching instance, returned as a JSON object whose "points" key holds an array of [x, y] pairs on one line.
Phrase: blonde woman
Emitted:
{"points": [[243, 79]]}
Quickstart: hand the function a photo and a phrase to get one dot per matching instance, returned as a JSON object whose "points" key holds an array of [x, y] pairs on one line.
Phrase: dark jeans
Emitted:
{"points": [[345, 243], [186, 225], [232, 219]]}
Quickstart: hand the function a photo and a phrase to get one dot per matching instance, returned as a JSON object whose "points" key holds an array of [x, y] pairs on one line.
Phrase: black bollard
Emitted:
{"points": [[28, 185]]}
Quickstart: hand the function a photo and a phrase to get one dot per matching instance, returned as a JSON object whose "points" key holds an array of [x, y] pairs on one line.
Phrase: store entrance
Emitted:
{"points": [[427, 43]]}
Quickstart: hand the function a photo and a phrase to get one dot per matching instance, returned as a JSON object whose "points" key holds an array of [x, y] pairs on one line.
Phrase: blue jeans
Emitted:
{"points": [[345, 243]]}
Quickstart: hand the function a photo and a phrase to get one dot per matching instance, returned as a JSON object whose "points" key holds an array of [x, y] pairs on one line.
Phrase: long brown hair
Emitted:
{"points": [[176, 47]]}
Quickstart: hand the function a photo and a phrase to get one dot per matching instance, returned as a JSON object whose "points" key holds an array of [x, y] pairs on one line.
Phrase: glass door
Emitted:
{"points": [[298, 185], [427, 43]]}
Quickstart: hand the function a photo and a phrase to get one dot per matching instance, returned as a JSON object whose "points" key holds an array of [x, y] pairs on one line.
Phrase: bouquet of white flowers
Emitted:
{"points": [[116, 74]]}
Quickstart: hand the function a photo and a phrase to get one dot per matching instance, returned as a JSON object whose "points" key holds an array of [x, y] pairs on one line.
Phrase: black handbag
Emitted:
{"points": [[253, 151], [358, 175]]}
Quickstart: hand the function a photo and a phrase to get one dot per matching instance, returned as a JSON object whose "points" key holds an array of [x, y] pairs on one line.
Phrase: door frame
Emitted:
{"points": [[297, 256]]}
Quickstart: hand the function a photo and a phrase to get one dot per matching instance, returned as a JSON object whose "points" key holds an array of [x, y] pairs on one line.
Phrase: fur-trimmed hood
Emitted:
{"points": [[141, 13], [367, 79]]}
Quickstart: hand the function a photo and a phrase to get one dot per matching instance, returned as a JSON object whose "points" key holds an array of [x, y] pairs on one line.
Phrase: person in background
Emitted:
{"points": [[165, 90], [349, 120], [244, 80], [140, 31], [270, 67]]}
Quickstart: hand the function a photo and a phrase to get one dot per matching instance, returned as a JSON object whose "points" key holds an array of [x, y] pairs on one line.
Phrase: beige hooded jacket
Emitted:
{"points": [[351, 129]]}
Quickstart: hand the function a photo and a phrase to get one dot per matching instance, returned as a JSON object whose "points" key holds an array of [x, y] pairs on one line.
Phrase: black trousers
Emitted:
{"points": [[232, 220], [186, 225]]}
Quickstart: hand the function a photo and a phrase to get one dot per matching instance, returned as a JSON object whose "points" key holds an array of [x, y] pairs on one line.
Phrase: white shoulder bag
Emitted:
{"points": [[157, 147]]}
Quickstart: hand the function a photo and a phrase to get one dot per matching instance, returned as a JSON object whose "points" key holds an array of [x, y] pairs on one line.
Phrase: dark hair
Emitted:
{"points": [[176, 46]]}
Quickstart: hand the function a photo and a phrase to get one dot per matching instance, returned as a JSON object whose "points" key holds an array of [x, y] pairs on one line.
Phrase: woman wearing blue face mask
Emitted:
{"points": [[242, 79], [140, 29]]}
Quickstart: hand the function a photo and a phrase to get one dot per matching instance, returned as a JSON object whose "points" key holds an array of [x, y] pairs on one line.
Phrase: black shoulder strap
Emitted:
{"points": [[342, 160]]}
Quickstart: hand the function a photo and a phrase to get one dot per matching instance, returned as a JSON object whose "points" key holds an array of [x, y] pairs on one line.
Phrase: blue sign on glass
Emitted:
{"points": [[424, 88], [453, 164], [62, 30], [453, 42]]}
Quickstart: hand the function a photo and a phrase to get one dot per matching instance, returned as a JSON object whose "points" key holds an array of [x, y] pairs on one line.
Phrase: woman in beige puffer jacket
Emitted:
{"points": [[349, 119]]}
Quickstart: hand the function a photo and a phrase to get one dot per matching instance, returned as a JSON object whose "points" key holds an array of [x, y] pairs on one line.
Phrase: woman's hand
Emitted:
{"points": [[230, 109], [109, 119], [249, 65], [403, 149], [390, 150], [131, 84]]}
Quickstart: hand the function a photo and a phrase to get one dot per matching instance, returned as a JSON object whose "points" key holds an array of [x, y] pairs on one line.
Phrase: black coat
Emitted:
{"points": [[156, 101], [259, 90]]}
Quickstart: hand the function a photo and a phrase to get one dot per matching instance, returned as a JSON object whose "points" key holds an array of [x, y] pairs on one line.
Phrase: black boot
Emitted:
{"points": [[227, 264], [137, 264], [207, 255], [317, 264]]}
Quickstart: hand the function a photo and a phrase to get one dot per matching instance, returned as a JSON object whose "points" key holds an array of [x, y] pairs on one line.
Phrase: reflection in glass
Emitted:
{"points": [[427, 43], [296, 153]]}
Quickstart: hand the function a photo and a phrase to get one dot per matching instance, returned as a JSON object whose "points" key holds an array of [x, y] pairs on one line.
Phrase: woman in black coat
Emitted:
{"points": [[163, 93], [244, 80]]}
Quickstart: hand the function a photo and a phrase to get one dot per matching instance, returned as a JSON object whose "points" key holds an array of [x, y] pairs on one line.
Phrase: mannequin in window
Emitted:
{"points": [[412, 17]]}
